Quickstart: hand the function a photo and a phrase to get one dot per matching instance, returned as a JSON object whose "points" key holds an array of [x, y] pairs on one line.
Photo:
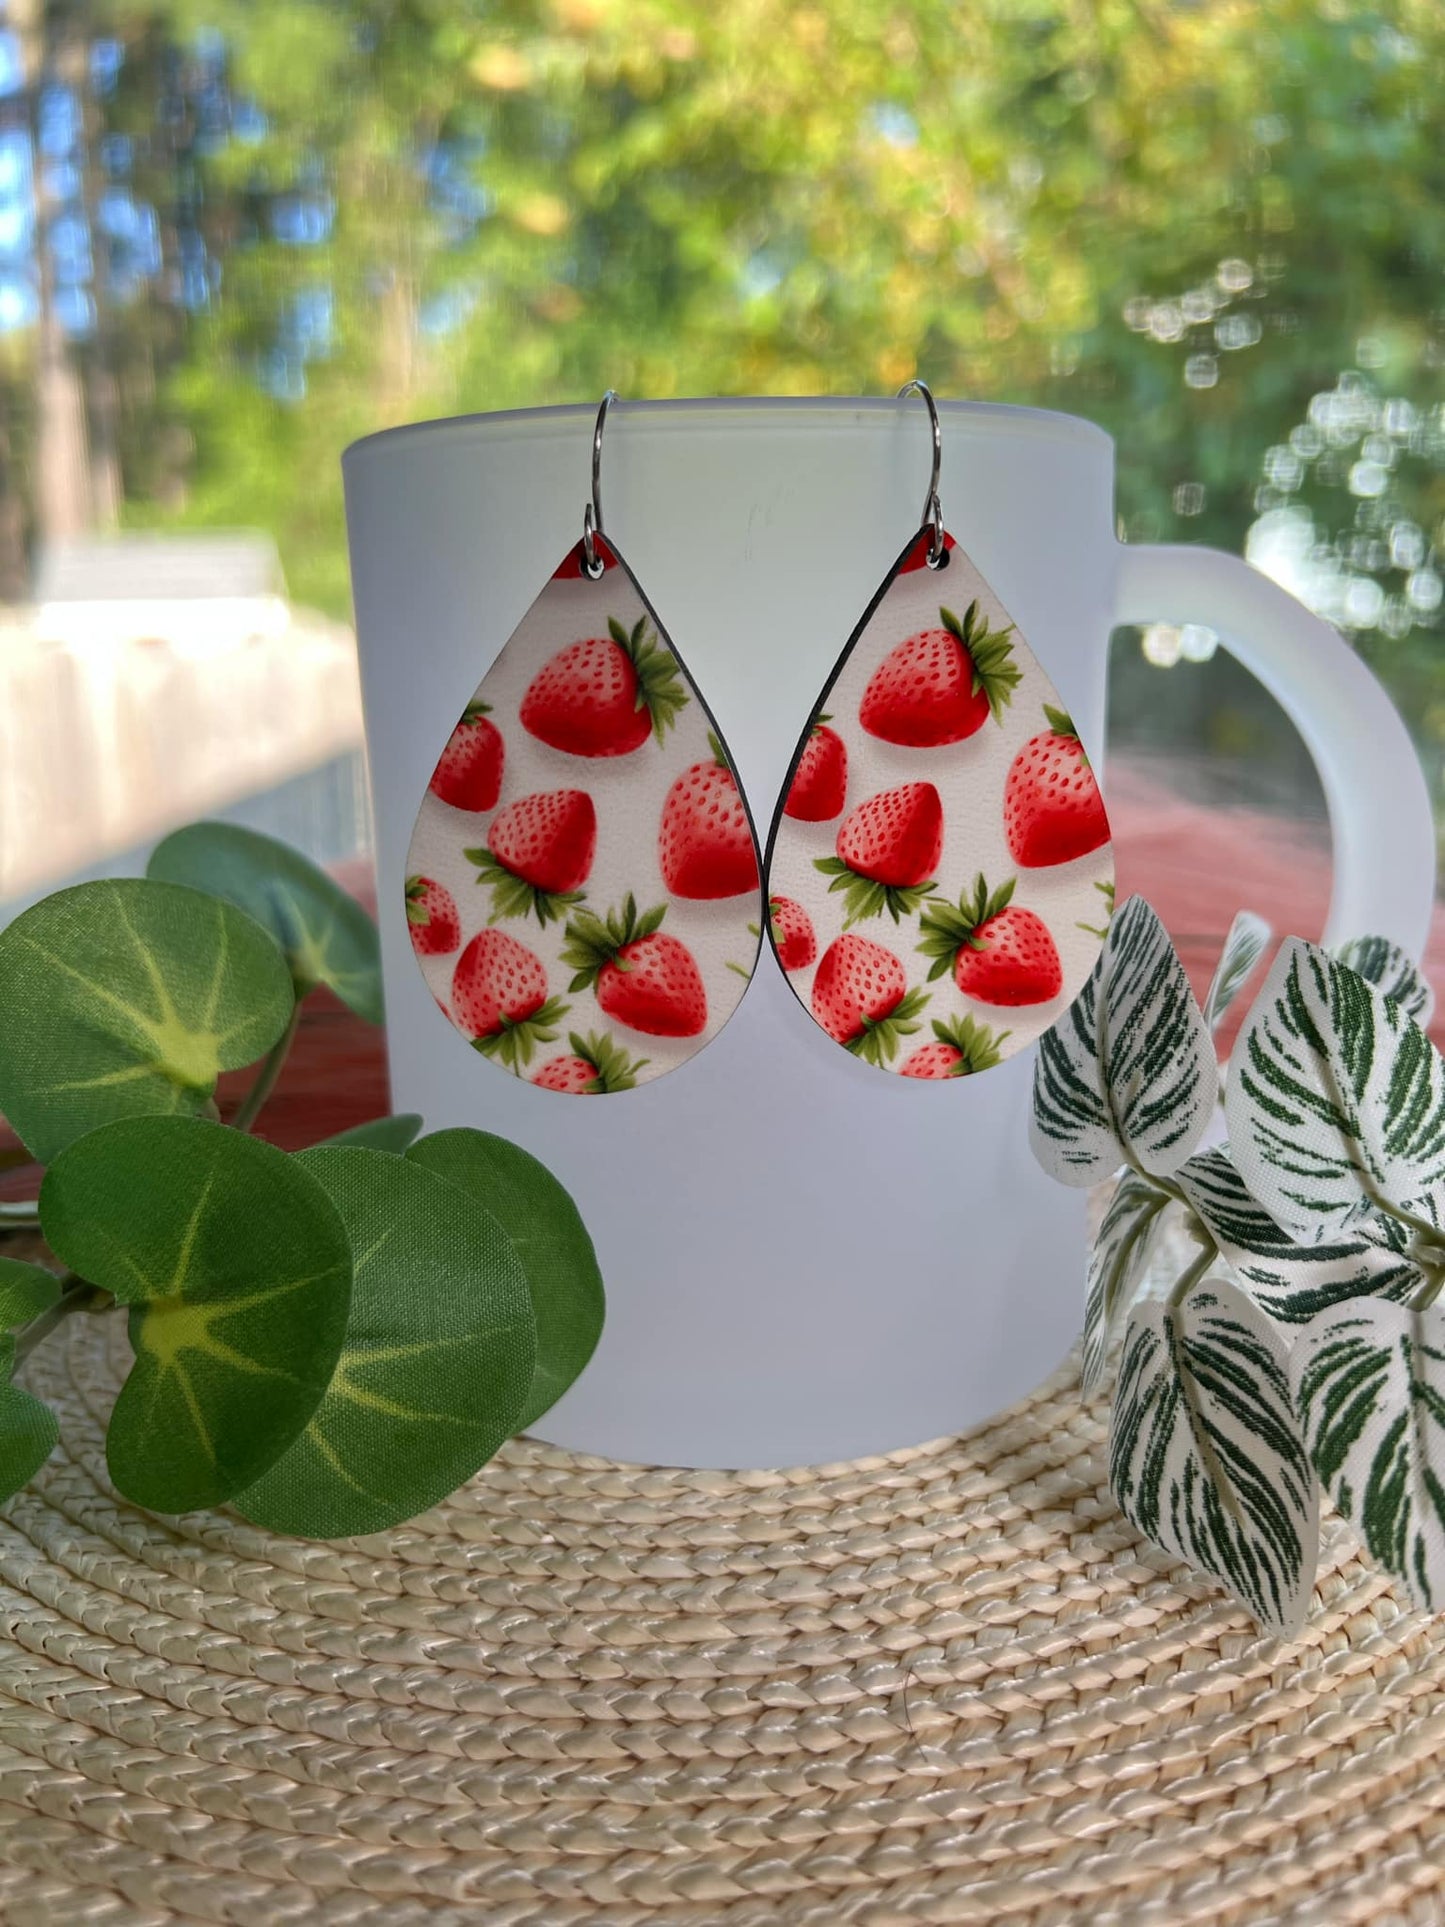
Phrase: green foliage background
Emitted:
{"points": [[1034, 200]]}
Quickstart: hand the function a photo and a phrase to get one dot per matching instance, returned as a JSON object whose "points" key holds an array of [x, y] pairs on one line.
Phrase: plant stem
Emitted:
{"points": [[1191, 1277], [251, 1103], [78, 1296]]}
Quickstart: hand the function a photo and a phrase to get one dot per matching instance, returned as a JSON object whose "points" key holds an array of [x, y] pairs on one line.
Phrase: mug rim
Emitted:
{"points": [[819, 412]]}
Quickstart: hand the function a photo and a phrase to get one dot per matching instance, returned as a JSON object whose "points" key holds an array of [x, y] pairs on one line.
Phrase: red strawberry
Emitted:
{"points": [[607, 695], [499, 998], [642, 977], [596, 1064], [468, 774], [861, 998], [820, 781], [888, 850], [539, 850], [792, 929], [705, 847], [999, 954], [431, 915], [1052, 808], [960, 1046], [941, 685]]}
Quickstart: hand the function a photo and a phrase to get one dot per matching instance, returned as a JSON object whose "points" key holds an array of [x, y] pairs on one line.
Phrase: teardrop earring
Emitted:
{"points": [[582, 888], [940, 833]]}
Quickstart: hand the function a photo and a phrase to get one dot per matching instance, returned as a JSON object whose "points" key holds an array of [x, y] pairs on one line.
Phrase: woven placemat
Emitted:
{"points": [[944, 1685]]}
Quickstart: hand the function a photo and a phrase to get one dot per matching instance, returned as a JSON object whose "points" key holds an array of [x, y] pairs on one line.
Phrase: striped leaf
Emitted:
{"points": [[1295, 1282], [1115, 1266], [1128, 1074], [1205, 1454], [1392, 971], [1246, 943], [1369, 1386], [1336, 1101]]}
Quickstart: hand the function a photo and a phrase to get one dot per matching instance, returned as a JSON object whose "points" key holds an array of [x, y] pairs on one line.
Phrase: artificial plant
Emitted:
{"points": [[1266, 1269], [331, 1341]]}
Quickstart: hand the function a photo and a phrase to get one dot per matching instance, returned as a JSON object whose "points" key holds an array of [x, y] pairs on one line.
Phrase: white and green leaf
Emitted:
{"points": [[1336, 1101], [1246, 943], [1128, 1074], [1392, 971], [129, 998], [1369, 1385], [1206, 1457], [1116, 1265], [1292, 1281], [436, 1366], [237, 1270]]}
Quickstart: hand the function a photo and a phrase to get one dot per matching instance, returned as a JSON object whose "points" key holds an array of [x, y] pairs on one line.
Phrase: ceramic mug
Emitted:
{"points": [[805, 1260]]}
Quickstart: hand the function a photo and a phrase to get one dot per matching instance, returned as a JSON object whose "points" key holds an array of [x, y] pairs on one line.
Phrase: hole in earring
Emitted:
{"points": [[940, 561]]}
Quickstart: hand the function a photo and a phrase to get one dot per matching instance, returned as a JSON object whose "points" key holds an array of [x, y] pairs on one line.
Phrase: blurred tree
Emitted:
{"points": [[1185, 221]]}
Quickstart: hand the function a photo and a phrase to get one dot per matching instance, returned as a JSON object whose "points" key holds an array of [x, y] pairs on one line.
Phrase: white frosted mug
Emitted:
{"points": [[805, 1259]]}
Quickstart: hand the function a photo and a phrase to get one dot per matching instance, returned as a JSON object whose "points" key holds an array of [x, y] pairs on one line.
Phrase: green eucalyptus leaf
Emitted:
{"points": [[1369, 1385], [28, 1432], [551, 1241], [1336, 1101], [392, 1134], [326, 935], [25, 1292], [436, 1367], [126, 998], [1292, 1281], [1205, 1454], [237, 1269], [1128, 1073]]}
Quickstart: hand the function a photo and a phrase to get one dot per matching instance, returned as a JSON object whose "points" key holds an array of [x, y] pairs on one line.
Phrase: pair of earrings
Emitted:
{"points": [[585, 891]]}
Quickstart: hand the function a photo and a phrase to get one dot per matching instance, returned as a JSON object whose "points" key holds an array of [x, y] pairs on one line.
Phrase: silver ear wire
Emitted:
{"points": [[592, 514], [932, 506]]}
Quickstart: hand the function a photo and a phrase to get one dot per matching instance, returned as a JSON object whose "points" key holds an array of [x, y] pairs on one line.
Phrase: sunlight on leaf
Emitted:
{"points": [[326, 935], [436, 1366], [129, 998], [552, 1243], [237, 1269]]}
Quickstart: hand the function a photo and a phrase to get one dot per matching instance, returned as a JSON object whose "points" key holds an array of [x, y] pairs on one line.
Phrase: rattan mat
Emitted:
{"points": [[945, 1685]]}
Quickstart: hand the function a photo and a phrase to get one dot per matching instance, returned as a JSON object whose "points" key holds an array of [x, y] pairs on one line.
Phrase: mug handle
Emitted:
{"points": [[1381, 821]]}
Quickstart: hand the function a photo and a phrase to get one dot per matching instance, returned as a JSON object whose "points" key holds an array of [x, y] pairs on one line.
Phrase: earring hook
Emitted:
{"points": [[592, 514], [932, 506]]}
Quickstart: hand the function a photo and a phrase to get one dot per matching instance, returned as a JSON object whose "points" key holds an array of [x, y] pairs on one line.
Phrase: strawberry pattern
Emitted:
{"points": [[583, 888], [941, 836]]}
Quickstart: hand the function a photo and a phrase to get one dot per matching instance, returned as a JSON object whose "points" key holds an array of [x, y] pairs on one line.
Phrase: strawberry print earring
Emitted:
{"points": [[582, 888], [939, 867]]}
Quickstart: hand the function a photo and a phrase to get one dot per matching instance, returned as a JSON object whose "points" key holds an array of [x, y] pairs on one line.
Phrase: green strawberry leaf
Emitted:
{"points": [[325, 934], [136, 996], [392, 1134], [1060, 721], [878, 1040], [865, 897], [515, 1044], [550, 1240], [435, 1366], [989, 650], [513, 896], [237, 1271]]}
